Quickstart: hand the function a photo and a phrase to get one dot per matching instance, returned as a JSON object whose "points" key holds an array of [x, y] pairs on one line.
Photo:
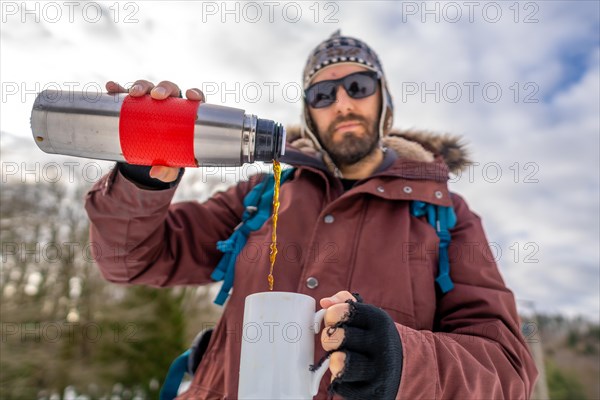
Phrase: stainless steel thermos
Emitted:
{"points": [[140, 130]]}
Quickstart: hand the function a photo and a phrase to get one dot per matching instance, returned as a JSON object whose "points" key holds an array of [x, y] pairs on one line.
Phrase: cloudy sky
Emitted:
{"points": [[518, 80]]}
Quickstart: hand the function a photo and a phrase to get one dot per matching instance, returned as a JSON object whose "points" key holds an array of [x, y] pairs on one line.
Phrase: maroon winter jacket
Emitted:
{"points": [[465, 344]]}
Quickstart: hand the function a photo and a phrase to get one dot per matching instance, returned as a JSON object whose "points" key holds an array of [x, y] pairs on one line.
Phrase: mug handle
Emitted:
{"points": [[319, 372]]}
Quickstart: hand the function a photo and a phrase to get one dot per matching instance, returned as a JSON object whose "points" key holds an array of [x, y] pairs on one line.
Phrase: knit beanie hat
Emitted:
{"points": [[344, 49]]}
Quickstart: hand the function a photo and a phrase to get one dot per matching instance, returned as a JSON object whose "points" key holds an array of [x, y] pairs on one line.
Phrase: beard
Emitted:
{"points": [[352, 147]]}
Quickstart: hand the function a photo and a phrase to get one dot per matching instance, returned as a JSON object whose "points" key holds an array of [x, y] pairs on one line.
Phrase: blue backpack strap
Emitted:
{"points": [[174, 377], [258, 204], [442, 219], [446, 219]]}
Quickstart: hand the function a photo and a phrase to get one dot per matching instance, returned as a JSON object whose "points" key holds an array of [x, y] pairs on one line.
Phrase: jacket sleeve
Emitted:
{"points": [[137, 236], [476, 350]]}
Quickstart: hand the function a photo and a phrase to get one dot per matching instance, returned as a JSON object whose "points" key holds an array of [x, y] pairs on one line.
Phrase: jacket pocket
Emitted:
{"points": [[400, 317], [424, 300]]}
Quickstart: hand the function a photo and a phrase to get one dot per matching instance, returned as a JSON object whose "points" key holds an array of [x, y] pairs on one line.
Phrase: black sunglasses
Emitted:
{"points": [[358, 85]]}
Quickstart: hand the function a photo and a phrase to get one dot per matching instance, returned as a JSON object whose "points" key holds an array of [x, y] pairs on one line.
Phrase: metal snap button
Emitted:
{"points": [[407, 189], [328, 219], [312, 282], [438, 194], [380, 189]]}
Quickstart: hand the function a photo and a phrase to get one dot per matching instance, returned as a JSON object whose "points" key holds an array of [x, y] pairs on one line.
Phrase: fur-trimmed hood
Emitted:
{"points": [[412, 144]]}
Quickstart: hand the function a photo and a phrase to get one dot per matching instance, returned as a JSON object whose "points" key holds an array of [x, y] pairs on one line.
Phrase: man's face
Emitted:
{"points": [[348, 128]]}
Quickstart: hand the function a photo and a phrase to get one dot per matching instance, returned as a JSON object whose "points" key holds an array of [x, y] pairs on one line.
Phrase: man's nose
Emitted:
{"points": [[343, 102]]}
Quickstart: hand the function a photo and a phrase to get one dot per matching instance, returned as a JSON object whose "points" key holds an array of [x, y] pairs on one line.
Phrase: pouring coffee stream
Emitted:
{"points": [[273, 255]]}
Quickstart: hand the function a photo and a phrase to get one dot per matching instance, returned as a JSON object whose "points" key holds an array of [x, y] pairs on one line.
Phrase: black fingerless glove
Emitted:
{"points": [[373, 350], [140, 176]]}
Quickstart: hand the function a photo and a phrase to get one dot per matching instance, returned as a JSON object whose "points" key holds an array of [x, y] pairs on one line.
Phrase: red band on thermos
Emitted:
{"points": [[158, 132]]}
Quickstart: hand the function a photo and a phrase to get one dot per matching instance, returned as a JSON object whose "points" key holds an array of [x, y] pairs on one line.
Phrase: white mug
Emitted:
{"points": [[278, 347]]}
